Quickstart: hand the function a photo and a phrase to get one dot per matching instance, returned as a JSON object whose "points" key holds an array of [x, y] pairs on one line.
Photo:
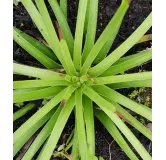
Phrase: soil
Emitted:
{"points": [[137, 12]]}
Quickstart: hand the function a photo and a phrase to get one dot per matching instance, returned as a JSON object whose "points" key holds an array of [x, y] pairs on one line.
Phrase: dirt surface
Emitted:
{"points": [[138, 11]]}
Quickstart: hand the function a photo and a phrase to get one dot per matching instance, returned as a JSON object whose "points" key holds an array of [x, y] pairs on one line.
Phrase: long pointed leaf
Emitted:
{"points": [[122, 49], [106, 107], [119, 98], [67, 58], [75, 151], [132, 121], [39, 83], [79, 33], [100, 101], [37, 44], [89, 123], [37, 72], [38, 19], [36, 94], [128, 64], [24, 90], [105, 36], [110, 126], [44, 25], [23, 111], [121, 78], [62, 21], [41, 57], [87, 16], [91, 28], [129, 135], [42, 136], [144, 83], [80, 126], [58, 128], [114, 30], [37, 116], [24, 138]]}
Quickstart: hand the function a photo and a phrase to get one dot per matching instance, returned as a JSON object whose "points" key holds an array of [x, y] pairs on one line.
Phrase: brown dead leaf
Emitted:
{"points": [[149, 125], [121, 116], [59, 30]]}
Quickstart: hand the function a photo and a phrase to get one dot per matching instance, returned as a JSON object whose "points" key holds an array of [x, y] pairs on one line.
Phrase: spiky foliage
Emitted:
{"points": [[87, 83]]}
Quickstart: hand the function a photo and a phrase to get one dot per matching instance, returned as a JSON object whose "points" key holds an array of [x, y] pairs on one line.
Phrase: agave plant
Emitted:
{"points": [[80, 77]]}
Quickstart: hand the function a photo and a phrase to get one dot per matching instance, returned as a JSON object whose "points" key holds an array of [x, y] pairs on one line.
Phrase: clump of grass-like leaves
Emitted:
{"points": [[86, 84]]}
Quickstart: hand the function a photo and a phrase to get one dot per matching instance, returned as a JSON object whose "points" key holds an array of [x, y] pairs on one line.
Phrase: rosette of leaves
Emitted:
{"points": [[80, 77]]}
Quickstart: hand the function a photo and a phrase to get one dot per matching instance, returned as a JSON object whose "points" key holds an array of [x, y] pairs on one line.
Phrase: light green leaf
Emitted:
{"points": [[122, 49], [110, 126], [57, 130], [42, 136], [126, 102], [80, 126], [79, 33], [37, 116], [21, 112]]}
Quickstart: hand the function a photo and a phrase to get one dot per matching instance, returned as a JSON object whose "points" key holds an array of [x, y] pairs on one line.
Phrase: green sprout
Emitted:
{"points": [[89, 78]]}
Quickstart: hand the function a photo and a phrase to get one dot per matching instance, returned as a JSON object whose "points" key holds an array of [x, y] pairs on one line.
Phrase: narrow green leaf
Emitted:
{"points": [[66, 97], [89, 123], [110, 126], [122, 49], [58, 128], [24, 138], [18, 91], [116, 23], [62, 21], [100, 101], [37, 116], [106, 107], [44, 24], [70, 137], [113, 25], [42, 136], [80, 126], [63, 5], [132, 121], [75, 151], [67, 58], [38, 72], [129, 135], [69, 145], [36, 94], [39, 83], [38, 20], [144, 83], [87, 16], [91, 23], [37, 44], [33, 51], [121, 78], [79, 33], [47, 21], [23, 111], [126, 102], [128, 64]]}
